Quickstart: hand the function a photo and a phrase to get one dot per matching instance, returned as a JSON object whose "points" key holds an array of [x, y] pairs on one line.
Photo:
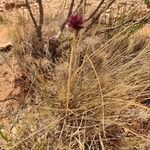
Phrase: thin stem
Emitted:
{"points": [[32, 17], [95, 11], [41, 17], [69, 13], [99, 14]]}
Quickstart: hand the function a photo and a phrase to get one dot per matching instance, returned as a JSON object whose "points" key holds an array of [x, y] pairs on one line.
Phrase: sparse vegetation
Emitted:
{"points": [[84, 78]]}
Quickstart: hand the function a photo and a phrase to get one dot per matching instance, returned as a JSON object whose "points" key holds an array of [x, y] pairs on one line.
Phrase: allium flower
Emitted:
{"points": [[76, 22]]}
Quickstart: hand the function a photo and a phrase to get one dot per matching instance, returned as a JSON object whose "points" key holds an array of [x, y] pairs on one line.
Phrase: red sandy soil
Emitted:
{"points": [[8, 73]]}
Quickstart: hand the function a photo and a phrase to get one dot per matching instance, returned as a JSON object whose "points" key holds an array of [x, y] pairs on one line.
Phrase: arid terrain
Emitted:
{"points": [[78, 101]]}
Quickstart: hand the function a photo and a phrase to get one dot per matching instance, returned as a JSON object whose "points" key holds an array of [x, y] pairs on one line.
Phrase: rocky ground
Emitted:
{"points": [[9, 70], [8, 73]]}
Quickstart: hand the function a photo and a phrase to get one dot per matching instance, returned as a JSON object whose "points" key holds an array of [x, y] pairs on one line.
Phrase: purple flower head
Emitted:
{"points": [[76, 22]]}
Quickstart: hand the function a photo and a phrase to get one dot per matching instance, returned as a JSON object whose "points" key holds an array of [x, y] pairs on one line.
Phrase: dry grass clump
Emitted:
{"points": [[89, 97]]}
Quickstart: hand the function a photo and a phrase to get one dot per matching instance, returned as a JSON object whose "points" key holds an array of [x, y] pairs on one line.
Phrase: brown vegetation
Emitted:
{"points": [[82, 87]]}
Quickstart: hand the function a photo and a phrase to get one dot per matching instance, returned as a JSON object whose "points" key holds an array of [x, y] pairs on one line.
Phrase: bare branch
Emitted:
{"points": [[41, 17], [94, 12], [32, 16], [79, 5], [71, 8], [69, 13], [115, 27], [95, 19]]}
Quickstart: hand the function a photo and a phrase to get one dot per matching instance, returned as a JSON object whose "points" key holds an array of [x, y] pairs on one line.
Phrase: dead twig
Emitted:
{"points": [[9, 98], [41, 17], [96, 10], [69, 13], [38, 27], [96, 18], [115, 27]]}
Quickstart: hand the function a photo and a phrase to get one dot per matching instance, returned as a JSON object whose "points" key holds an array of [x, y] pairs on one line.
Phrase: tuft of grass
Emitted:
{"points": [[89, 97]]}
